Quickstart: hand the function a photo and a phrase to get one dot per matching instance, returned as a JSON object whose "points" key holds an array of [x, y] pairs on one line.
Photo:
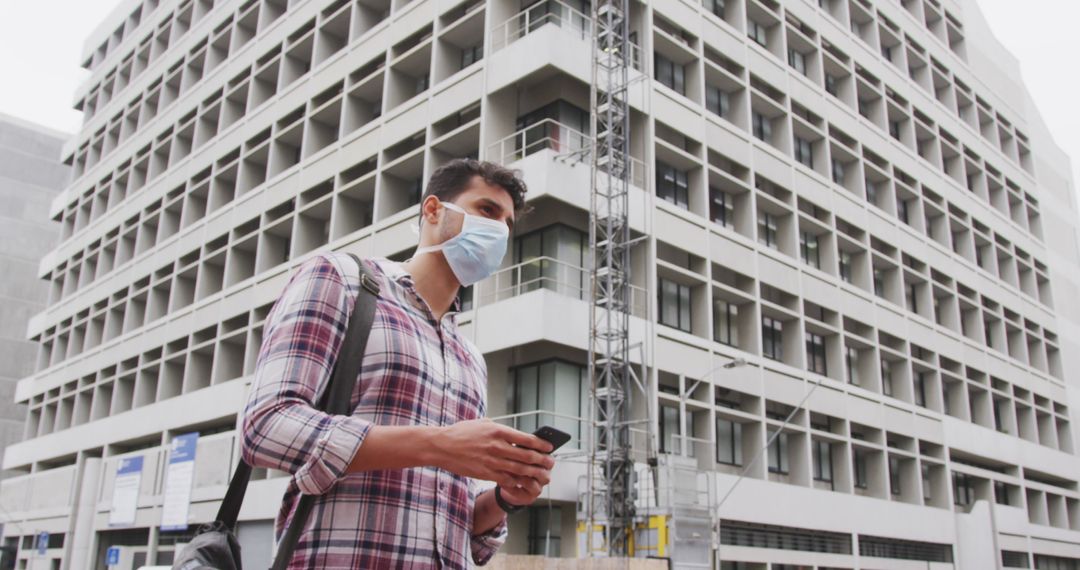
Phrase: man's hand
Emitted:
{"points": [[483, 449]]}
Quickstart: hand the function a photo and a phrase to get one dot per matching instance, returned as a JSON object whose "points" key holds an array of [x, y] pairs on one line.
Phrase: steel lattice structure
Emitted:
{"points": [[609, 238]]}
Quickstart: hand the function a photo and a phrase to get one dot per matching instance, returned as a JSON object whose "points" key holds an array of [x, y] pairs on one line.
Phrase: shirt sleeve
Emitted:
{"points": [[485, 545], [282, 427]]}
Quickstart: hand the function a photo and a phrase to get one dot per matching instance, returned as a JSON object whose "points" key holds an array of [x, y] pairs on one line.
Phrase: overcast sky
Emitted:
{"points": [[41, 42]]}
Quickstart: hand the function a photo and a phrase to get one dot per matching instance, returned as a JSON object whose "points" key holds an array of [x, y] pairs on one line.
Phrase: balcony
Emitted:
{"points": [[543, 13], [564, 141]]}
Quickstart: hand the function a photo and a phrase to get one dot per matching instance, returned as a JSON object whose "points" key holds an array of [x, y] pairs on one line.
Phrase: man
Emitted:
{"points": [[395, 480]]}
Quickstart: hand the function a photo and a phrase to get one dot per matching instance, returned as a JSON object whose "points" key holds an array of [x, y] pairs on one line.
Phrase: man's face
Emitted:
{"points": [[480, 199]]}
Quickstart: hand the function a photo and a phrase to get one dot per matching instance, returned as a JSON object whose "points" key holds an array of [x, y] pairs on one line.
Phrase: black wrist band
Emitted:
{"points": [[503, 504]]}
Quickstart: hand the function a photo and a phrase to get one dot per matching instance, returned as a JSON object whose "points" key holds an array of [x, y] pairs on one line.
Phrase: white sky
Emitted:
{"points": [[41, 43]]}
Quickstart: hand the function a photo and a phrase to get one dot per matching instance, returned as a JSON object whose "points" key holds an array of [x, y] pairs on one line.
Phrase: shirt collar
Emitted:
{"points": [[395, 271]]}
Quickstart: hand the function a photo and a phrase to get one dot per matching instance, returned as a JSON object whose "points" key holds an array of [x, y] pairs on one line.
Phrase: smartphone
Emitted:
{"points": [[556, 438]]}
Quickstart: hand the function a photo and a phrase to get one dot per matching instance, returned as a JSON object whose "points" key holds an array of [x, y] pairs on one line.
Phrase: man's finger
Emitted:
{"points": [[523, 439]]}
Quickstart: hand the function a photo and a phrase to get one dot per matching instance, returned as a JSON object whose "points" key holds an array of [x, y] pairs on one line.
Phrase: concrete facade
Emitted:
{"points": [[857, 198]]}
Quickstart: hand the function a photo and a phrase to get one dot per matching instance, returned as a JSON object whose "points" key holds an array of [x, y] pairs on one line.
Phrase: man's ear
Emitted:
{"points": [[429, 210]]}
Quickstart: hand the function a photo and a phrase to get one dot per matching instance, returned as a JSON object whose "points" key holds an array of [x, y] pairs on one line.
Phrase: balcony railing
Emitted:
{"points": [[529, 421], [534, 17], [551, 274], [550, 134], [577, 23]]}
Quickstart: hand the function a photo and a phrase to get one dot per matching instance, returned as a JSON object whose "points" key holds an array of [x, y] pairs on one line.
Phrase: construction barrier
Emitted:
{"points": [[518, 562]]}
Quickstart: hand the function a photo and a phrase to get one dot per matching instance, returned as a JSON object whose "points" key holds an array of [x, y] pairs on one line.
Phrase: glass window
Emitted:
{"points": [[902, 210], [717, 7], [912, 298], [545, 530], [894, 475], [554, 126], [879, 282], [669, 73], [728, 442], [767, 229], [1001, 493], [757, 33], [851, 358], [721, 207], [963, 489], [927, 489], [822, 451], [554, 259], [920, 388], [674, 304], [716, 101], [831, 85], [845, 266], [886, 378], [672, 185], [804, 152], [726, 323], [471, 55], [762, 126], [556, 387], [669, 430], [858, 462], [772, 338], [797, 61], [815, 353], [778, 452], [809, 249], [838, 172]]}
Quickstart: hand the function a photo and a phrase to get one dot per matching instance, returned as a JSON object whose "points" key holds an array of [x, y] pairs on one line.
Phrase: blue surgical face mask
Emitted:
{"points": [[477, 251]]}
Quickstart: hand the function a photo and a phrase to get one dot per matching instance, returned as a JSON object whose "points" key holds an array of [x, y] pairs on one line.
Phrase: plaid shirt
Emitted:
{"points": [[416, 371]]}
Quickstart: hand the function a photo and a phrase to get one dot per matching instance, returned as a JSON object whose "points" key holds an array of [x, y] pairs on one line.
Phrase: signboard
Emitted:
{"points": [[125, 495], [178, 480], [112, 556], [42, 542]]}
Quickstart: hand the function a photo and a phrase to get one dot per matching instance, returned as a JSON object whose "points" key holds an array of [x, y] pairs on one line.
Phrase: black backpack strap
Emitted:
{"points": [[338, 394]]}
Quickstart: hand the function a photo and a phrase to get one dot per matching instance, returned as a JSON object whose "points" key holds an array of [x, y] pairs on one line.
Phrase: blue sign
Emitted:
{"points": [[130, 466], [183, 448], [42, 542], [112, 556]]}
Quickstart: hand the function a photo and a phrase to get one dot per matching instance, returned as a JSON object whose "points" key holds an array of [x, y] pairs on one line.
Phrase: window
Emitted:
{"points": [[721, 207], [778, 452], [669, 73], [845, 266], [545, 530], [831, 85], [728, 442], [772, 338], [553, 386], [717, 7], [423, 82], [886, 378], [851, 359], [822, 452], [927, 489], [894, 475], [716, 101], [920, 388], [804, 152], [758, 33], [902, 210], [809, 249], [894, 129], [999, 425], [879, 282], [871, 192], [674, 304], [726, 323], [767, 229], [762, 127], [858, 463], [1001, 493], [912, 297], [815, 354], [963, 489], [669, 429], [554, 259], [838, 172], [471, 55], [551, 127], [797, 61], [672, 185]]}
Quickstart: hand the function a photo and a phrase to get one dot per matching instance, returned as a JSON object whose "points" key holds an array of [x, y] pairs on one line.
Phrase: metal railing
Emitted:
{"points": [[545, 12], [576, 426], [551, 274], [549, 134]]}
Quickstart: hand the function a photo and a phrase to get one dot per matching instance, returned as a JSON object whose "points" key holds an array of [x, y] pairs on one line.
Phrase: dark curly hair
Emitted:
{"points": [[451, 179]]}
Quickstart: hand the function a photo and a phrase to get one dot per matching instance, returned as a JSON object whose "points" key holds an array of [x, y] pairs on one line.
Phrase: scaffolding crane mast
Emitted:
{"points": [[611, 485]]}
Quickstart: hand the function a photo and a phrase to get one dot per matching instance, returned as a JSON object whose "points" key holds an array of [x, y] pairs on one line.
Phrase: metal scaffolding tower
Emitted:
{"points": [[611, 474]]}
